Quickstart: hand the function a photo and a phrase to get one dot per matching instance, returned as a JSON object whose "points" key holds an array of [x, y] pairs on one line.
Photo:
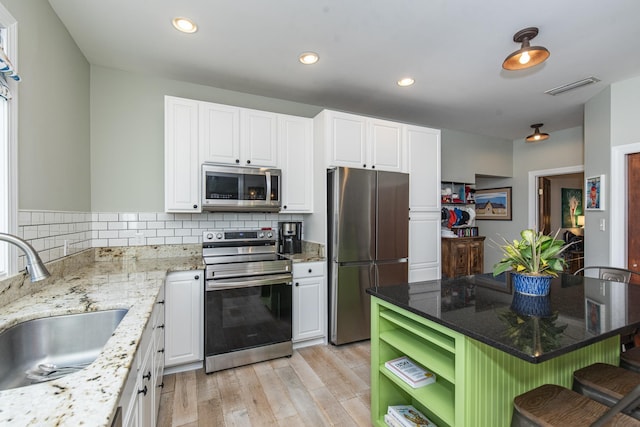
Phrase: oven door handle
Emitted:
{"points": [[274, 279]]}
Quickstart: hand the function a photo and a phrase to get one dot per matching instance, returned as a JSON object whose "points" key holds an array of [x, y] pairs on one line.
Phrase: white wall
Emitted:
{"points": [[53, 129]]}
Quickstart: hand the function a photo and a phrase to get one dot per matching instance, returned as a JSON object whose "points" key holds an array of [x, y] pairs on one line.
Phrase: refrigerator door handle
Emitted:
{"points": [[377, 275]]}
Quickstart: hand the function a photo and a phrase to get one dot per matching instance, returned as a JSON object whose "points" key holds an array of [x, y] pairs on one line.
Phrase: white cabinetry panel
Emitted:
{"points": [[219, 133], [184, 336], [296, 160], [309, 303], [181, 166], [424, 247]]}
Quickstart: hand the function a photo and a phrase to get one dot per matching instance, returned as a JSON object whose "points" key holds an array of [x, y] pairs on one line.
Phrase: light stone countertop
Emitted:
{"points": [[89, 397]]}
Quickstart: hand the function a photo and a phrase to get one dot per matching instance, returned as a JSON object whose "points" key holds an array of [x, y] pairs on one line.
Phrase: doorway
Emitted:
{"points": [[548, 190]]}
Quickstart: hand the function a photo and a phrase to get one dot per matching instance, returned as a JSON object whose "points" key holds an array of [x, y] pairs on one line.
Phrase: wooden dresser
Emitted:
{"points": [[462, 256]]}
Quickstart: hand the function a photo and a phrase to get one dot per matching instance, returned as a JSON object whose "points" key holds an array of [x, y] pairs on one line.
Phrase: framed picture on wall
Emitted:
{"points": [[494, 203], [594, 193], [571, 206]]}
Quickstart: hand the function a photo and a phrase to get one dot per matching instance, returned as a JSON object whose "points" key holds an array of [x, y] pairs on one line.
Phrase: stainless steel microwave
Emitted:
{"points": [[240, 189]]}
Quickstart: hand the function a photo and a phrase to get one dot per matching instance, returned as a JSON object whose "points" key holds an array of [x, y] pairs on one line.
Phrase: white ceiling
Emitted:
{"points": [[453, 48]]}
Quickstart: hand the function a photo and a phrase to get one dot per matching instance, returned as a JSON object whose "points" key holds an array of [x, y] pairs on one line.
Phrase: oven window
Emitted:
{"points": [[237, 319]]}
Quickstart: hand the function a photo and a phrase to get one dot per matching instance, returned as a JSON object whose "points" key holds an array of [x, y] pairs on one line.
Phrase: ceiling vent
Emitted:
{"points": [[570, 86]]}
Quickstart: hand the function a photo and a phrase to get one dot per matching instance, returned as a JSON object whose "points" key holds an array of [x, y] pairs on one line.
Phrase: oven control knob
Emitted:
{"points": [[269, 234], [219, 236], [209, 236], [260, 235]]}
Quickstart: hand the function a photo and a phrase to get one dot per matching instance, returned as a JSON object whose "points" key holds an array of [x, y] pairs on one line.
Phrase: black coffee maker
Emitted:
{"points": [[290, 237]]}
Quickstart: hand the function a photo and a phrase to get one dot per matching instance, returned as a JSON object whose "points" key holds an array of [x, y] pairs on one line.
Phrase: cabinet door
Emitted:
{"points": [[296, 160], [424, 168], [219, 133], [460, 258], [386, 145], [158, 351], [146, 413], [258, 136], [424, 246], [309, 301], [181, 167], [308, 317], [184, 338], [347, 138], [476, 257]]}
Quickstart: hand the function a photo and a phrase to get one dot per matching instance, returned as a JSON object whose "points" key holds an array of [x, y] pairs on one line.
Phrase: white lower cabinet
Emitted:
{"points": [[140, 399], [184, 332], [424, 254], [309, 303]]}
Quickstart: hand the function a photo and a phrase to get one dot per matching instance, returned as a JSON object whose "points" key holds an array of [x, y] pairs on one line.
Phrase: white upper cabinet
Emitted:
{"points": [[386, 146], [295, 135], [346, 139], [424, 168], [237, 136], [258, 138], [362, 142], [219, 133], [181, 165]]}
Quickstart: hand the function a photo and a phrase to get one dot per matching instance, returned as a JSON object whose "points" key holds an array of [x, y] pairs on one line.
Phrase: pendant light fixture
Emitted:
{"points": [[537, 136], [527, 56]]}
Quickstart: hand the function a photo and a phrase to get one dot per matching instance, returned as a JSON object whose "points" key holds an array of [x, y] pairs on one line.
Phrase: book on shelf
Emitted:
{"points": [[392, 422], [410, 372], [406, 416]]}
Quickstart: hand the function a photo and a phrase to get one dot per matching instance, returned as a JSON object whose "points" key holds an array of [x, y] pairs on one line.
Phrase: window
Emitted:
{"points": [[8, 148]]}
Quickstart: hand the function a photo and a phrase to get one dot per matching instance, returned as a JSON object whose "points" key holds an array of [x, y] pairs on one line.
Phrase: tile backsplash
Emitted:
{"points": [[55, 234]]}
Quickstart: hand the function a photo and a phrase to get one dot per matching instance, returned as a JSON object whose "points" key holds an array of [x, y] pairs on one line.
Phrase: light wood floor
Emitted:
{"points": [[317, 386]]}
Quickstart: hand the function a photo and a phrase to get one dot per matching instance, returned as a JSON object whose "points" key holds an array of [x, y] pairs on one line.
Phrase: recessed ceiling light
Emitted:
{"points": [[309, 58], [407, 81], [185, 25]]}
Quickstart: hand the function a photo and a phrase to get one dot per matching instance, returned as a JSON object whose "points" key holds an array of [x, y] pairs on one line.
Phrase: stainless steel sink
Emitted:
{"points": [[43, 349]]}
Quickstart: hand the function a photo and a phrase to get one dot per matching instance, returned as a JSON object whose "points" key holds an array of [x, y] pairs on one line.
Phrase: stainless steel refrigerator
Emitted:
{"points": [[368, 234]]}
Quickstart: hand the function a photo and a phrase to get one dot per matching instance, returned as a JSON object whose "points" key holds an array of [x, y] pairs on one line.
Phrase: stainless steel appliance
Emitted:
{"points": [[248, 306], [236, 188], [290, 237], [368, 234]]}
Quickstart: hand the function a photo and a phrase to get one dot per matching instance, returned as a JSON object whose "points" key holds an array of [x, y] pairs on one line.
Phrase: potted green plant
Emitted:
{"points": [[534, 261]]}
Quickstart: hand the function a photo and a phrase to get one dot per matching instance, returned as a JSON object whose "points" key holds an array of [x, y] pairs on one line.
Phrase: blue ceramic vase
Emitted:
{"points": [[531, 285]]}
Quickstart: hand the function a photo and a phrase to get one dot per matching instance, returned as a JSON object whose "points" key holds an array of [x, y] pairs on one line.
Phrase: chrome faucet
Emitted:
{"points": [[35, 266]]}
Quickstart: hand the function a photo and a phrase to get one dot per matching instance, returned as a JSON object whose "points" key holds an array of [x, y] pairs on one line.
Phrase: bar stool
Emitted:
{"points": [[606, 384], [630, 359], [553, 405]]}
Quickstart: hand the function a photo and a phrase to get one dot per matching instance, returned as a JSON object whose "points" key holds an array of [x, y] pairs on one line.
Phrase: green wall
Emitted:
{"points": [[53, 112]]}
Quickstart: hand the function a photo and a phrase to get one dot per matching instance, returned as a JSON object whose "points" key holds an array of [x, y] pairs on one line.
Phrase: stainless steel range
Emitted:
{"points": [[248, 306]]}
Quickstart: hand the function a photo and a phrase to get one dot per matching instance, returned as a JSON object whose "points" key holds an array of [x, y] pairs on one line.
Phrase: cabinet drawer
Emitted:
{"points": [[308, 269]]}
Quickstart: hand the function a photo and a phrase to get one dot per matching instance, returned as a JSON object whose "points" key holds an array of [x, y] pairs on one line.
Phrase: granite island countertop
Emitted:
{"points": [[89, 397], [487, 309]]}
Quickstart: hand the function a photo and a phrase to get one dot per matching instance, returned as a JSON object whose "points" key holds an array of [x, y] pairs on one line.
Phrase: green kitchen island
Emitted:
{"points": [[487, 344]]}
